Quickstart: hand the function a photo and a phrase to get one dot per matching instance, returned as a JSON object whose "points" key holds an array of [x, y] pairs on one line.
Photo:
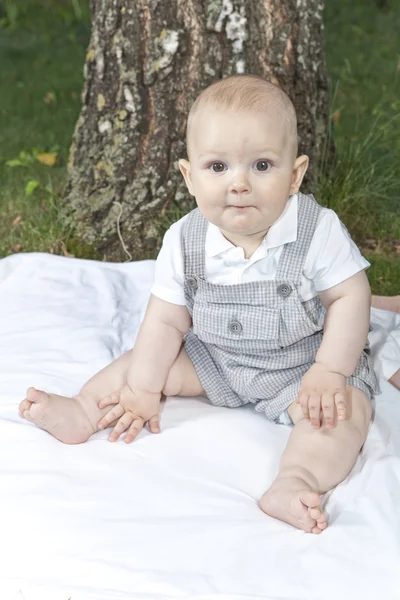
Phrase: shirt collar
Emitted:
{"points": [[283, 231]]}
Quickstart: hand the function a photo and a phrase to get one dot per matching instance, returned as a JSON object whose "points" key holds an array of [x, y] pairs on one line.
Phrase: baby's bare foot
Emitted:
{"points": [[292, 500], [63, 417]]}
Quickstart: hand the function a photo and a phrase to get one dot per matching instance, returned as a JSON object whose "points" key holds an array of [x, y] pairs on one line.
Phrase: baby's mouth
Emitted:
{"points": [[239, 207]]}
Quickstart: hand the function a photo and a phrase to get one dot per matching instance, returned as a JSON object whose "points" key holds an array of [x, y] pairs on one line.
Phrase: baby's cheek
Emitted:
{"points": [[209, 205]]}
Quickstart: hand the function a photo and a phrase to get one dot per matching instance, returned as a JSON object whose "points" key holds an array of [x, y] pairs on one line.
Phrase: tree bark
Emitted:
{"points": [[147, 61]]}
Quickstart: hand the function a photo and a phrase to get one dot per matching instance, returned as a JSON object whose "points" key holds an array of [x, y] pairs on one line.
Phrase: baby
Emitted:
{"points": [[259, 296]]}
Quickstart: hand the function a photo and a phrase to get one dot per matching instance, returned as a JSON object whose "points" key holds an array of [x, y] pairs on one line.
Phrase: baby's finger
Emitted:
{"points": [[134, 430], [314, 407], [154, 424], [115, 413], [302, 399], [123, 424], [107, 400], [328, 409], [340, 401]]}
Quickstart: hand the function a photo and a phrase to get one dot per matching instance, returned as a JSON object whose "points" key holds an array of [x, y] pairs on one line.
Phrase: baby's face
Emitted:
{"points": [[241, 170]]}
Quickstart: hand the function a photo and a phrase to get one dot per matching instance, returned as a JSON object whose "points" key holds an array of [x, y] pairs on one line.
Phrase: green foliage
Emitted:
{"points": [[42, 51], [9, 13], [362, 187], [31, 186], [363, 183], [26, 14], [384, 274], [27, 158]]}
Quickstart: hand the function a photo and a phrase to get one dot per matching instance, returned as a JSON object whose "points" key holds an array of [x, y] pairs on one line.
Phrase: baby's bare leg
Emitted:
{"points": [[74, 420], [391, 303], [314, 462], [182, 380], [108, 380], [395, 379]]}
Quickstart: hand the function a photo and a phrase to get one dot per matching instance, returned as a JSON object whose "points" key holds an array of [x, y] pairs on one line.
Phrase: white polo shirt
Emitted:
{"points": [[332, 256]]}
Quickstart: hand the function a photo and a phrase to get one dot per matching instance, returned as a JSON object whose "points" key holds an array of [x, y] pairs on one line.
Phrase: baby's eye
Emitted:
{"points": [[219, 167], [262, 165]]}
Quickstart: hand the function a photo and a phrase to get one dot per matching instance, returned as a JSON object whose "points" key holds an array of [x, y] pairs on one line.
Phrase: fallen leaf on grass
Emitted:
{"points": [[49, 98], [370, 244], [385, 246], [396, 246], [47, 158], [16, 221], [16, 247]]}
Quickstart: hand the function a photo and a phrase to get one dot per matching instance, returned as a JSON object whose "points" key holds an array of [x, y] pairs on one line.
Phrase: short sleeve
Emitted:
{"points": [[333, 257], [168, 277]]}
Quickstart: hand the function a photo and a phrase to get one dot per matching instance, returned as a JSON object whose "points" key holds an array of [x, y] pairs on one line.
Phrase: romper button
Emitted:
{"points": [[191, 281], [235, 327], [284, 290]]}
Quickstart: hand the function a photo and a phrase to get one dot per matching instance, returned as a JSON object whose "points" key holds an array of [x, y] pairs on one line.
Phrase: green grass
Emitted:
{"points": [[42, 49], [363, 62]]}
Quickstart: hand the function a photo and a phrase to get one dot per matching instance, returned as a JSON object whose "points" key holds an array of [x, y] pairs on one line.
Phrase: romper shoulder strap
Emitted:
{"points": [[295, 253], [193, 244]]}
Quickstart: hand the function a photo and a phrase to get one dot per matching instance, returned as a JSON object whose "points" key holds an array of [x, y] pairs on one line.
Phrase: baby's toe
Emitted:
{"points": [[315, 512], [35, 395], [316, 529], [27, 415], [24, 405], [320, 526], [320, 519], [311, 500]]}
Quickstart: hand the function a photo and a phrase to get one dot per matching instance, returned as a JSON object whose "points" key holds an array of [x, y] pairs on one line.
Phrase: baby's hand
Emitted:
{"points": [[133, 408], [322, 390]]}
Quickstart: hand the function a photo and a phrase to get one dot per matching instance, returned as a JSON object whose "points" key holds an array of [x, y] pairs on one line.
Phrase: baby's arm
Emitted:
{"points": [[156, 347], [346, 326], [345, 333], [157, 344]]}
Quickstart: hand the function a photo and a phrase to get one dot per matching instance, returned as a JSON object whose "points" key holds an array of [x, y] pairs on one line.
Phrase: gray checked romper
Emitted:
{"points": [[253, 342]]}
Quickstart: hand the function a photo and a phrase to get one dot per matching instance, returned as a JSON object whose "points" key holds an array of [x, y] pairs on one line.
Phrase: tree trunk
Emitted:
{"points": [[147, 61]]}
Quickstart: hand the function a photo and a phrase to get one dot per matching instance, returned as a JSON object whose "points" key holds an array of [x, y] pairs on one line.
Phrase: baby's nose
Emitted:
{"points": [[240, 185]]}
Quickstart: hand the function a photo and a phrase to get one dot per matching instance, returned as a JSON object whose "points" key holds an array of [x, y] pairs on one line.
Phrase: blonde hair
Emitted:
{"points": [[245, 93]]}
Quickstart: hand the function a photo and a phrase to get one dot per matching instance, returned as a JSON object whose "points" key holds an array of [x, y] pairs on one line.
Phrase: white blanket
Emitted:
{"points": [[174, 515]]}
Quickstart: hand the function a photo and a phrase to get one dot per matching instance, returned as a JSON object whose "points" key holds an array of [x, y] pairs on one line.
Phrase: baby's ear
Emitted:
{"points": [[184, 166], [299, 170]]}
